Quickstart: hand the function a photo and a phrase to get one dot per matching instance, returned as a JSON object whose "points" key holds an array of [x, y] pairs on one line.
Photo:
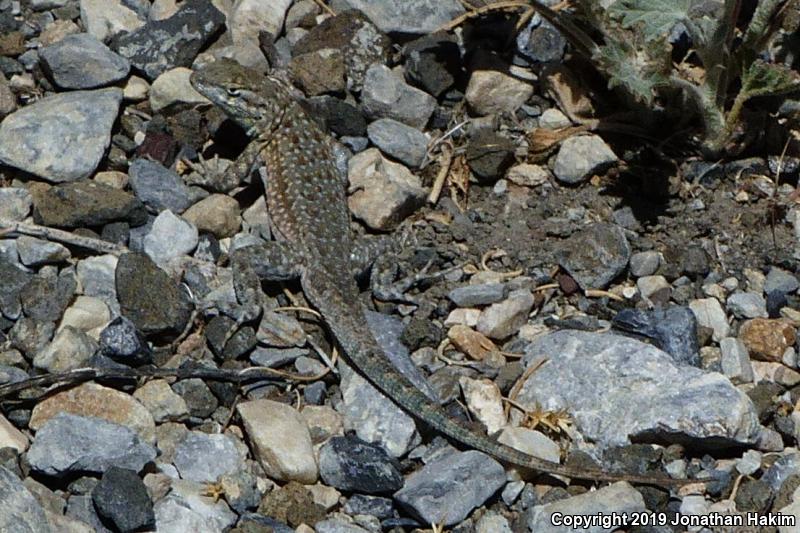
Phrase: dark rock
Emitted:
{"points": [[339, 116], [695, 262], [159, 188], [314, 394], [674, 330], [149, 298], [348, 463], [158, 146], [541, 42], [14, 279], [122, 499], [596, 255], [122, 342], [85, 203], [376, 506], [489, 155], [319, 72], [46, 298], [161, 45], [198, 397], [753, 495], [433, 62]]}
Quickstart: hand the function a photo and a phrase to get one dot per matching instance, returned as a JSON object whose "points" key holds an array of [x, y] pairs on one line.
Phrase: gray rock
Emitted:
{"points": [[70, 349], [710, 314], [14, 279], [62, 137], [35, 252], [476, 295], [205, 458], [540, 41], [735, 360], [580, 157], [406, 144], [161, 45], [348, 463], [122, 342], [433, 62], [96, 276], [15, 203], [778, 280], [20, 512], [644, 263], [171, 236], [107, 18], [149, 298], [387, 95], [47, 296], [595, 256], [86, 203], [618, 389], [159, 188], [199, 399], [448, 488], [72, 444], [747, 305], [276, 357], [409, 17], [121, 498], [185, 510], [80, 61], [619, 498], [503, 319]]}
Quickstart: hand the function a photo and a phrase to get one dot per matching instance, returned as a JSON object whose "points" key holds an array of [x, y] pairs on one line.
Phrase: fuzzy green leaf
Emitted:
{"points": [[764, 78], [632, 69], [656, 17]]}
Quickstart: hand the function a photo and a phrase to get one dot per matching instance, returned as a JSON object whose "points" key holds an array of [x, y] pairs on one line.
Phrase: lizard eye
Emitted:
{"points": [[232, 91]]}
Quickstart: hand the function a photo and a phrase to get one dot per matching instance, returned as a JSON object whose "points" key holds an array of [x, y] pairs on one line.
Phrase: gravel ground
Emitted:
{"points": [[603, 302]]}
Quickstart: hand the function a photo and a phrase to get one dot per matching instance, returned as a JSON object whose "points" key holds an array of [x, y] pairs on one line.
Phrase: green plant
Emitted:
{"points": [[634, 54]]}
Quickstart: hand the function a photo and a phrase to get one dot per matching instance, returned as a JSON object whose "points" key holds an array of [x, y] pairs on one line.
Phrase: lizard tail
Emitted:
{"points": [[347, 324]]}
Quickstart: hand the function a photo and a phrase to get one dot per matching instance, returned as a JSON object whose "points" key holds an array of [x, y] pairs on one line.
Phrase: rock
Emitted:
{"points": [[66, 150], [87, 314], [448, 488], [205, 458], [494, 91], [72, 444], [596, 255], [644, 263], [489, 155], [554, 119], [161, 45], [382, 193], [319, 72], [35, 252], [248, 17], [170, 237], [433, 62], [381, 508], [198, 397], [409, 17], [485, 402], [501, 320], [121, 498], [617, 499], [218, 214], [767, 339], [531, 442], [158, 187], [80, 61], [674, 330], [187, 509], [106, 18], [747, 305], [160, 400], [97, 401], [470, 342], [86, 204], [777, 281], [45, 297], [341, 118], [20, 510], [477, 295], [15, 203], [540, 41], [655, 289], [582, 156], [8, 100], [281, 439], [710, 314], [607, 375], [173, 88], [527, 175], [386, 95], [14, 279], [136, 90], [359, 40], [69, 350], [96, 277], [406, 144], [149, 298], [350, 464], [11, 437]]}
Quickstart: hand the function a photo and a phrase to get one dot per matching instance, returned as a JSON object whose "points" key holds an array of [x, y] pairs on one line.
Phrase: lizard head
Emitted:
{"points": [[252, 100]]}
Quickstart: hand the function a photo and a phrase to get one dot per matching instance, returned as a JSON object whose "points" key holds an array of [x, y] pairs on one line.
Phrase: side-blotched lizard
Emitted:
{"points": [[307, 206]]}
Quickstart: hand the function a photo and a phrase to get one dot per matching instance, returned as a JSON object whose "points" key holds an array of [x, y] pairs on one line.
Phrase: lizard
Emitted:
{"points": [[306, 202]]}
